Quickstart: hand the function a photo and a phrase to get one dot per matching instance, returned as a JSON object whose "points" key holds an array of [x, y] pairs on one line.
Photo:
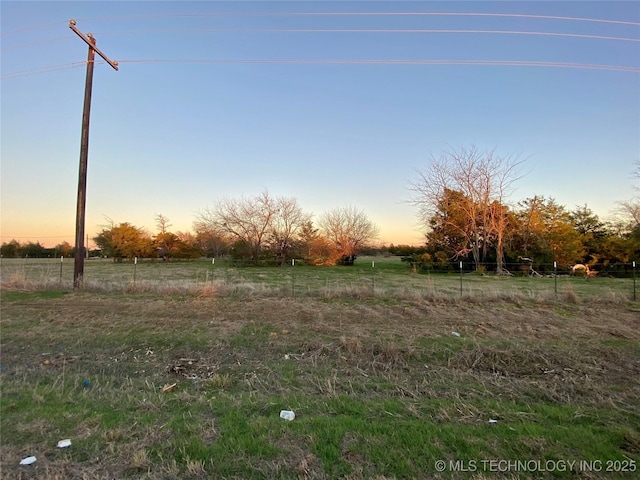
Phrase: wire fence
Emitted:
{"points": [[368, 277], [610, 270]]}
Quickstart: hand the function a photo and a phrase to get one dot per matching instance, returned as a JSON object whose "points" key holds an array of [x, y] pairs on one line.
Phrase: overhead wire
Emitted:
{"points": [[345, 14], [37, 42], [41, 26], [523, 63], [328, 14], [425, 62], [354, 62], [368, 30], [341, 30], [48, 69]]}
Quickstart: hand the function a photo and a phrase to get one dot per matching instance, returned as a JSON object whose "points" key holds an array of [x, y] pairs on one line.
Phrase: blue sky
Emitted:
{"points": [[172, 137]]}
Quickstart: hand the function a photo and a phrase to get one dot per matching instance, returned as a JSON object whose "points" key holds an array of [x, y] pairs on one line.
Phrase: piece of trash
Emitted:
{"points": [[455, 334], [28, 461], [286, 356], [64, 443], [86, 383], [491, 420], [287, 415], [46, 362], [168, 388]]}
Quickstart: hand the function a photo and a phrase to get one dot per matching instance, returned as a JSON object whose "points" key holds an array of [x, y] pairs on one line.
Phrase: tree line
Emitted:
{"points": [[262, 229], [462, 199], [277, 229]]}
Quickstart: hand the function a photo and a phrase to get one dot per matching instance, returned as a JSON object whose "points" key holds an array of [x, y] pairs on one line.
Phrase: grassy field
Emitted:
{"points": [[175, 383], [381, 277]]}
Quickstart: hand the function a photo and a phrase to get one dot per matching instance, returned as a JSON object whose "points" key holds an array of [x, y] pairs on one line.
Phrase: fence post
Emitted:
{"points": [[634, 280], [213, 262], [61, 259], [135, 265], [555, 278], [460, 278], [373, 278], [293, 280]]}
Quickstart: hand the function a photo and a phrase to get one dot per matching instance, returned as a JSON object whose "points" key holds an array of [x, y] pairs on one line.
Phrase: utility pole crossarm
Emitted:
{"points": [[89, 40]]}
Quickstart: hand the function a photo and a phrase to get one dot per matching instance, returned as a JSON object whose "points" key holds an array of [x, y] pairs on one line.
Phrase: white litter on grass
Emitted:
{"points": [[455, 334], [28, 461], [64, 443], [287, 415], [491, 420], [286, 356]]}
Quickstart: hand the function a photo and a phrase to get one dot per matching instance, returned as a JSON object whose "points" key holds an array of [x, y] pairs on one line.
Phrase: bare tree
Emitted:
{"points": [[246, 219], [162, 223], [484, 180], [286, 226], [258, 222], [165, 240], [209, 238], [348, 230], [501, 175], [628, 211]]}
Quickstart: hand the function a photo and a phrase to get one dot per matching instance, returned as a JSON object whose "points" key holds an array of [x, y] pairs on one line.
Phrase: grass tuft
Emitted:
{"points": [[220, 381], [140, 460]]}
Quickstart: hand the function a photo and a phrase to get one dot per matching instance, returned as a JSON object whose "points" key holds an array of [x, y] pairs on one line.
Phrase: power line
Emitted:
{"points": [[39, 42], [381, 30], [421, 62], [495, 63], [514, 63], [328, 14], [334, 30], [341, 30], [35, 71], [345, 14], [41, 26]]}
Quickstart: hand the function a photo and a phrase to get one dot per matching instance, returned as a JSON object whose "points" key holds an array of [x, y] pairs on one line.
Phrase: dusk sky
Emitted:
{"points": [[203, 107]]}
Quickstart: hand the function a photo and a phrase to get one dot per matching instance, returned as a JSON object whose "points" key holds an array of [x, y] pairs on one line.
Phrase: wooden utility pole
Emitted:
{"points": [[78, 269]]}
